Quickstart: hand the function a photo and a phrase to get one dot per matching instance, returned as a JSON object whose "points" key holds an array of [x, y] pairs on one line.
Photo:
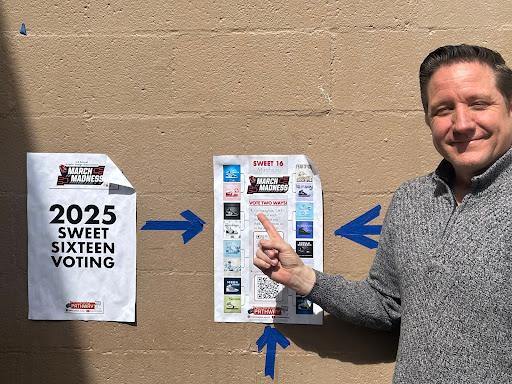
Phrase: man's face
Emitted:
{"points": [[471, 126]]}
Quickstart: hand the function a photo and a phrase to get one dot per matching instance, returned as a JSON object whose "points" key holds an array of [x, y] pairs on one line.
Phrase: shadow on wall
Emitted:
{"points": [[340, 340], [30, 351]]}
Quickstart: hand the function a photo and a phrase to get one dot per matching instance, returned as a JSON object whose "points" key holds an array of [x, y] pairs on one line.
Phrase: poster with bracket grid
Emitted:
{"points": [[287, 189]]}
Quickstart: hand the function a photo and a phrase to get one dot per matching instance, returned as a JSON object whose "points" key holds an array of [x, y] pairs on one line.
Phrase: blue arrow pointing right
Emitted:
{"points": [[356, 230], [192, 226]]}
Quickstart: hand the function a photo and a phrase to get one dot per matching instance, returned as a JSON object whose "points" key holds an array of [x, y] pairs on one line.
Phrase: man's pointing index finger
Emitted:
{"points": [[269, 227]]}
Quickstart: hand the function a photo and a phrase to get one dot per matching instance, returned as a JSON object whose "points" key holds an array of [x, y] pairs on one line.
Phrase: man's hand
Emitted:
{"points": [[278, 260]]}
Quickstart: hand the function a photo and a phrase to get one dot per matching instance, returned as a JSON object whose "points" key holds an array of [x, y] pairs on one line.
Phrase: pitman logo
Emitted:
{"points": [[266, 311], [84, 307], [80, 305]]}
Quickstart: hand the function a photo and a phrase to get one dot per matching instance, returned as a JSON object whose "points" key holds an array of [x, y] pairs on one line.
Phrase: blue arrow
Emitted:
{"points": [[192, 226], [356, 229], [23, 30], [270, 338]]}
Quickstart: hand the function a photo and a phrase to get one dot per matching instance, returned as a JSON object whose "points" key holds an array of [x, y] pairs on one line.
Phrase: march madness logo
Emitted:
{"points": [[268, 184], [80, 174]]}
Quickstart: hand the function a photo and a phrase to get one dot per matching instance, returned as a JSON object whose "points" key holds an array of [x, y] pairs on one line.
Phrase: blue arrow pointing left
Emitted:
{"points": [[357, 229], [270, 338], [192, 226]]}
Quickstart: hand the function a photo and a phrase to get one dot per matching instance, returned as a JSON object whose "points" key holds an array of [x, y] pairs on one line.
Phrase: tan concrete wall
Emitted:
{"points": [[161, 86]]}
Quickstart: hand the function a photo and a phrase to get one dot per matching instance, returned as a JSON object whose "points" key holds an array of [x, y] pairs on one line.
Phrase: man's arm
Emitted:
{"points": [[358, 302], [373, 302]]}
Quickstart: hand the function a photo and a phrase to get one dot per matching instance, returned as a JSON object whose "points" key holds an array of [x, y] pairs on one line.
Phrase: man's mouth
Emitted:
{"points": [[467, 141]]}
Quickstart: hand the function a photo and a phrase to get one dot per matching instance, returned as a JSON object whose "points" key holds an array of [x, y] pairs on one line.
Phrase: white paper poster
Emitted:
{"points": [[288, 191], [81, 238]]}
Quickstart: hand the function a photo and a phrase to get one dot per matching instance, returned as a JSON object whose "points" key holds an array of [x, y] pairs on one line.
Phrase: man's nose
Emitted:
{"points": [[462, 118]]}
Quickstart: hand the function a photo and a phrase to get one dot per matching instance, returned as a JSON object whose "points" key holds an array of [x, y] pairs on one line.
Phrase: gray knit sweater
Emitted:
{"points": [[442, 274]]}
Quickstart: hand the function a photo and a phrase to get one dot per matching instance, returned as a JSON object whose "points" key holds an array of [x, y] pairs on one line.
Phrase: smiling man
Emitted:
{"points": [[444, 262], [470, 119]]}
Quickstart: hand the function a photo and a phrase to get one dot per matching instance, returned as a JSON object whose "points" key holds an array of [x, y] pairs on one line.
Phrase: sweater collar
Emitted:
{"points": [[446, 172]]}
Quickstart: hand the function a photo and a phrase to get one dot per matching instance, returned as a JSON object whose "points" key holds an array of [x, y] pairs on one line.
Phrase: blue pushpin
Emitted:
{"points": [[23, 30]]}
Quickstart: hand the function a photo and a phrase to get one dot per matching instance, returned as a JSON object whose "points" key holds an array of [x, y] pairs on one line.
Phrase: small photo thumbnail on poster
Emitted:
{"points": [[232, 229], [232, 266], [232, 304], [304, 211], [304, 173], [231, 211], [232, 286], [304, 192], [304, 248], [232, 248], [231, 173], [231, 191], [304, 306], [304, 229]]}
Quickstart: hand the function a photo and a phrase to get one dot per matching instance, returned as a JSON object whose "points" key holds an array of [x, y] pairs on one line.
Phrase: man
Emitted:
{"points": [[444, 262]]}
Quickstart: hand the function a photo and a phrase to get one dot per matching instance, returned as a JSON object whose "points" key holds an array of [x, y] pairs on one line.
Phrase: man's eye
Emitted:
{"points": [[443, 111], [479, 105]]}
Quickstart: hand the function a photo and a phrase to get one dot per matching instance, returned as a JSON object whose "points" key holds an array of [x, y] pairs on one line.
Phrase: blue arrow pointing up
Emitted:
{"points": [[192, 226], [270, 338], [356, 229]]}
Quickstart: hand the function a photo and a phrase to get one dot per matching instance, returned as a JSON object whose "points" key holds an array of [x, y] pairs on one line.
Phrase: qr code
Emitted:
{"points": [[267, 289]]}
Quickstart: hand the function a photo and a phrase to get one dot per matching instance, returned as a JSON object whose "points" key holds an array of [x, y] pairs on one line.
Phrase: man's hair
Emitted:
{"points": [[452, 54]]}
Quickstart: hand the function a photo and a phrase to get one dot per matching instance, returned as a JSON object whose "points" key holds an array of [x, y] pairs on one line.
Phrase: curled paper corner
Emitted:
{"points": [[23, 30], [114, 175]]}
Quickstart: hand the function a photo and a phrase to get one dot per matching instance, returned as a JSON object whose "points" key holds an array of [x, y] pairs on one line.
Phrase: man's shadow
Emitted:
{"points": [[337, 339]]}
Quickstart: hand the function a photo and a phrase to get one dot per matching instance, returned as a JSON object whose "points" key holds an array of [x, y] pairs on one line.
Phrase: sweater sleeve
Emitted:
{"points": [[373, 302]]}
